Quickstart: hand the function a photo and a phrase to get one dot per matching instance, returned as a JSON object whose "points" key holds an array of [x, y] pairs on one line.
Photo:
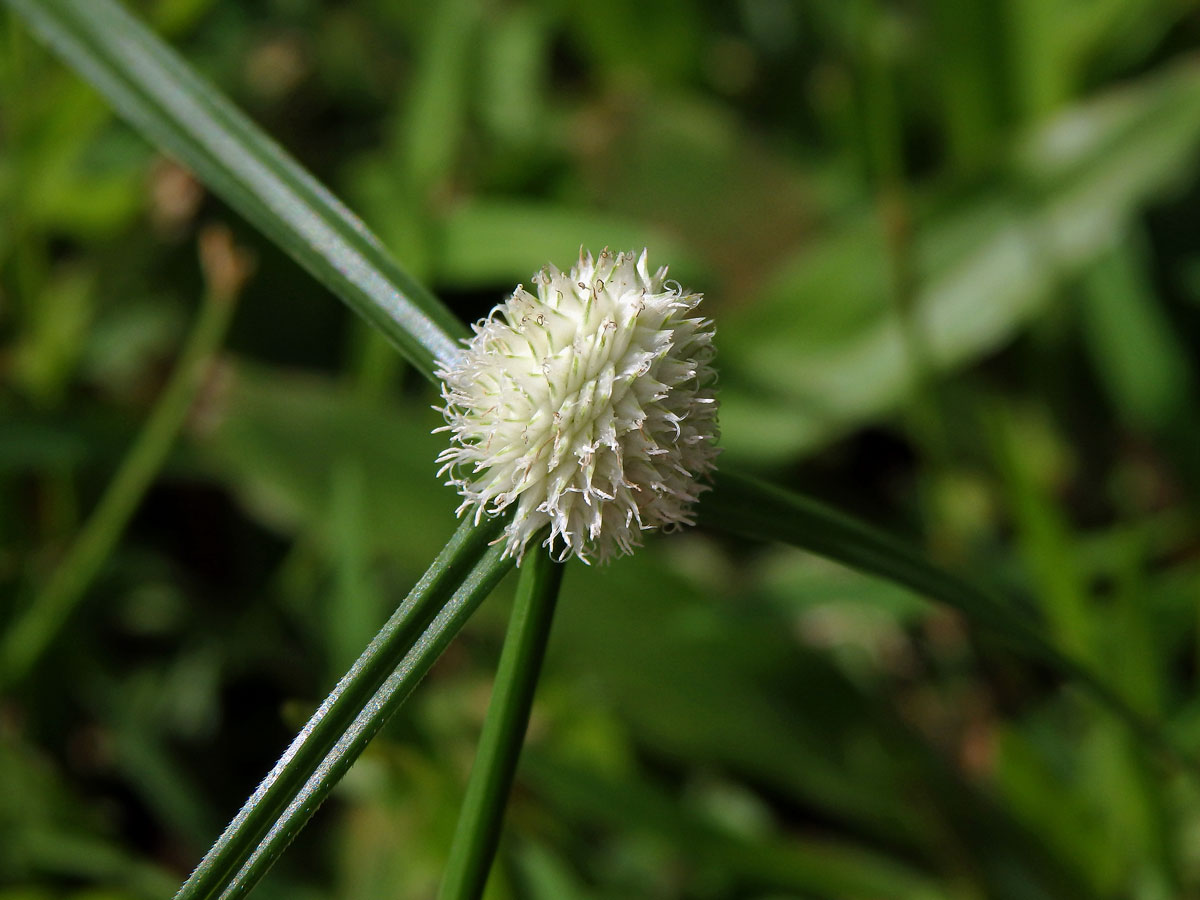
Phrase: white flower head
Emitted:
{"points": [[588, 406]]}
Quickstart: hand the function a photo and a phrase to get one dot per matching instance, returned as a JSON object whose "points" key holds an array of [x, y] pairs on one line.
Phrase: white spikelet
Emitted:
{"points": [[588, 406]]}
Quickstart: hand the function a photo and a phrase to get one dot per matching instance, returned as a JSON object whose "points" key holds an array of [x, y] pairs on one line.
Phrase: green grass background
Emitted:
{"points": [[952, 252]]}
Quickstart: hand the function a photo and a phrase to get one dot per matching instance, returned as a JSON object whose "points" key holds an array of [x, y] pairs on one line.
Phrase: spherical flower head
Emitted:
{"points": [[587, 406]]}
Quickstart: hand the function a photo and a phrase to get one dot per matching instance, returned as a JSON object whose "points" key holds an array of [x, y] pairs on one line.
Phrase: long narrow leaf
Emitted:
{"points": [[28, 637], [750, 508], [371, 717], [156, 90], [328, 727]]}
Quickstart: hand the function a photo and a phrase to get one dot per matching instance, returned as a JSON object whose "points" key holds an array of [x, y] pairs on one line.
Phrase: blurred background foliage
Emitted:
{"points": [[952, 251]]}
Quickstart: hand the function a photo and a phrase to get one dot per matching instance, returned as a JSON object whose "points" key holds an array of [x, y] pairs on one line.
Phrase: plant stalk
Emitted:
{"points": [[477, 833]]}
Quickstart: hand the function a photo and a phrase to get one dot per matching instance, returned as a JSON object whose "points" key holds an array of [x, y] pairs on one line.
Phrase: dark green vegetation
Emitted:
{"points": [[952, 251]]}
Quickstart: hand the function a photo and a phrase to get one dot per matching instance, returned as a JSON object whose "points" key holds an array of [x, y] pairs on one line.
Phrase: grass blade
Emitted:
{"points": [[372, 715], [478, 830], [332, 724], [748, 507], [751, 508], [33, 631], [169, 103]]}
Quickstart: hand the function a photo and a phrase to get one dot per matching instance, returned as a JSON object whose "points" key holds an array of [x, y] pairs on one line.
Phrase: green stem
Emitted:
{"points": [[327, 730], [371, 716], [479, 821], [51, 607]]}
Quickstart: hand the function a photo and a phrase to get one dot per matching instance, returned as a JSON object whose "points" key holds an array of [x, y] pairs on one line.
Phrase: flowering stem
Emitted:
{"points": [[367, 695], [479, 821]]}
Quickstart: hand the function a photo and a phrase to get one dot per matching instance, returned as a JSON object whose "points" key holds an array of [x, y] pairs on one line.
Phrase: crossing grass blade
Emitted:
{"points": [[28, 637], [327, 736], [371, 717], [171, 105], [745, 506]]}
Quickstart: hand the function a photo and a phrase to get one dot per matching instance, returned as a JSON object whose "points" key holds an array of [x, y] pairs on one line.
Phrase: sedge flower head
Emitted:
{"points": [[586, 404]]}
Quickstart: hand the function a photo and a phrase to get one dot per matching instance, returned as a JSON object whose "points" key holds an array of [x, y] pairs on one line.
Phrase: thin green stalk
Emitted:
{"points": [[479, 821], [372, 715], [358, 690], [33, 631]]}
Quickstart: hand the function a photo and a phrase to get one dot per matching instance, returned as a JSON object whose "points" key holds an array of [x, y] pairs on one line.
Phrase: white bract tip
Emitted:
{"points": [[587, 406]]}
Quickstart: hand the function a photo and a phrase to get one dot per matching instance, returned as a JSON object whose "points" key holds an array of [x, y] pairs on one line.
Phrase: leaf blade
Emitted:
{"points": [[248, 836], [372, 715], [164, 99], [750, 508]]}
